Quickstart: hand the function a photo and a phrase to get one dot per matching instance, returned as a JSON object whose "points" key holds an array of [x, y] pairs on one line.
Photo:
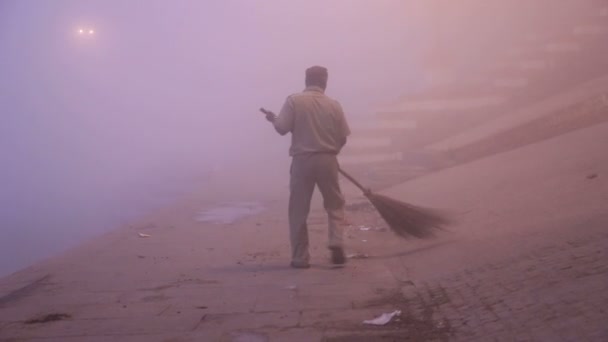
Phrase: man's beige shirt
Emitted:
{"points": [[316, 122]]}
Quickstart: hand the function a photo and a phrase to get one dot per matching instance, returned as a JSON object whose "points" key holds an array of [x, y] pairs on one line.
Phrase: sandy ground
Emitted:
{"points": [[525, 262]]}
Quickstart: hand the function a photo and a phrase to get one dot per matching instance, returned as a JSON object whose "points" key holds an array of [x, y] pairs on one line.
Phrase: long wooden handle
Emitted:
{"points": [[366, 191]]}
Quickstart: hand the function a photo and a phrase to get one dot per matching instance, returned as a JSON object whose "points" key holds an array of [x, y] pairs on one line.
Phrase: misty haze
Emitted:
{"points": [[99, 128], [140, 177]]}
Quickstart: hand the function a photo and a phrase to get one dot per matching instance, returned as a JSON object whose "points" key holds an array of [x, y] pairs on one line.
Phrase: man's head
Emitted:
{"points": [[316, 76]]}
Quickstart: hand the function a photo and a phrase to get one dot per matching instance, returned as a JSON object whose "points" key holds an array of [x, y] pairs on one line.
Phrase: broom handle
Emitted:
{"points": [[365, 190]]}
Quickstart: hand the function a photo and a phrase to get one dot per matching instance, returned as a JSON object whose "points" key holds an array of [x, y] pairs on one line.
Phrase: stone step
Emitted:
{"points": [[523, 115], [367, 142], [517, 51], [516, 82], [369, 158], [590, 29], [522, 64], [400, 124], [463, 103], [535, 64], [383, 125], [378, 138], [378, 132], [557, 47]]}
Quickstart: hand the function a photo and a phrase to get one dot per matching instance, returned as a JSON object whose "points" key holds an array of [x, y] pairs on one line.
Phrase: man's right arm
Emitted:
{"points": [[343, 129], [283, 123]]}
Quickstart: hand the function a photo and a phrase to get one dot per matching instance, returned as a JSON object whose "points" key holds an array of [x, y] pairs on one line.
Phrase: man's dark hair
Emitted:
{"points": [[316, 76]]}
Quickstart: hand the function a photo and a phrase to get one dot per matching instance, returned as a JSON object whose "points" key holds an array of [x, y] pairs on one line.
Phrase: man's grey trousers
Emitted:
{"points": [[308, 170]]}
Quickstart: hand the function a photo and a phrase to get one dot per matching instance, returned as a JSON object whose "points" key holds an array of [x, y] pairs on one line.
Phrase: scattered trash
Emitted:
{"points": [[592, 176], [363, 240], [49, 318], [357, 256], [143, 235], [292, 287], [383, 319], [365, 228]]}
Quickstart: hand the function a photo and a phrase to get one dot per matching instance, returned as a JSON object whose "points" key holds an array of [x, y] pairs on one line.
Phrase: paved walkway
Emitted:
{"points": [[525, 262]]}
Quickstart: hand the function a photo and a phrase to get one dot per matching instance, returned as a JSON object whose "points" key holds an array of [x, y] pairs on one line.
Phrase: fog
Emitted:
{"points": [[99, 128]]}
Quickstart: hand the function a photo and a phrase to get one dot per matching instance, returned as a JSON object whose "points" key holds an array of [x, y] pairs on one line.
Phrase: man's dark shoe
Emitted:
{"points": [[300, 264], [337, 255]]}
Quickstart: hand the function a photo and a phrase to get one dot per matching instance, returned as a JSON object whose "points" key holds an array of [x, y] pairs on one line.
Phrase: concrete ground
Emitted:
{"points": [[525, 261]]}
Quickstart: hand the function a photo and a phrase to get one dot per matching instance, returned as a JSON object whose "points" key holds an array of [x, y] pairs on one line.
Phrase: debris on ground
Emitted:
{"points": [[143, 235], [48, 318], [367, 228], [383, 319], [357, 256], [292, 287]]}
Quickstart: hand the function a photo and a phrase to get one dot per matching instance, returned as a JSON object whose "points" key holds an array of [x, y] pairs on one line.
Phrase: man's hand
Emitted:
{"points": [[270, 116]]}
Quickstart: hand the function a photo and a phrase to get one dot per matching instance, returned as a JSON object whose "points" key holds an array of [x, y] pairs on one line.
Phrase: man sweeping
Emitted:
{"points": [[318, 133]]}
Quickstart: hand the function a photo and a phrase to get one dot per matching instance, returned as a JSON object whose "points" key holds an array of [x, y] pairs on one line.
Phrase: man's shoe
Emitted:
{"points": [[337, 255], [300, 264]]}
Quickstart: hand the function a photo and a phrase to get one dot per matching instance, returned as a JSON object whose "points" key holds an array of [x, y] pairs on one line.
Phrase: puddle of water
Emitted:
{"points": [[229, 212]]}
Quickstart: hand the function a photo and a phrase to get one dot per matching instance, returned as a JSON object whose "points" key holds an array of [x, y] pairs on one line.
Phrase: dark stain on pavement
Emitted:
{"points": [[49, 318], [23, 292], [592, 176]]}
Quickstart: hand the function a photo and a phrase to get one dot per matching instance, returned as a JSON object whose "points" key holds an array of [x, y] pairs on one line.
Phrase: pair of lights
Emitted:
{"points": [[86, 31]]}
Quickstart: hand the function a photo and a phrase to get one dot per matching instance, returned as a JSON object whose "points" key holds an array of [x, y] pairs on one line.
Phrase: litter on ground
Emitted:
{"points": [[357, 256], [383, 319]]}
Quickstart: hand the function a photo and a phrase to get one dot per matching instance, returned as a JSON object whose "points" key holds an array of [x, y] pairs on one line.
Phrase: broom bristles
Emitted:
{"points": [[404, 219], [408, 220]]}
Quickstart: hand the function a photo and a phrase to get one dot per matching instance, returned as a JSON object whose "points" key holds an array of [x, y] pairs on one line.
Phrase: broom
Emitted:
{"points": [[406, 220]]}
